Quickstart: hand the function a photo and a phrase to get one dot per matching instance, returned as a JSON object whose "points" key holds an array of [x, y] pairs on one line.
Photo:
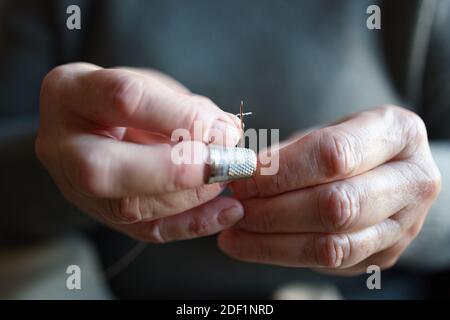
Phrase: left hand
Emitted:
{"points": [[345, 197]]}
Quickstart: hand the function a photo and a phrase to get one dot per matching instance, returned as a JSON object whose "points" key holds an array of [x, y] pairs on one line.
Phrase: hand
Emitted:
{"points": [[104, 137], [345, 197]]}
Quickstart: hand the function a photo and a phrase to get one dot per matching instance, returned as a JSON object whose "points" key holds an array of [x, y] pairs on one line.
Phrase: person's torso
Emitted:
{"points": [[295, 64]]}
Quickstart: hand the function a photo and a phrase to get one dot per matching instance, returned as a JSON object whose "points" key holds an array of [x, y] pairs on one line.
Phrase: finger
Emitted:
{"points": [[106, 168], [387, 258], [115, 97], [310, 250], [342, 206], [384, 260], [149, 208], [361, 143], [201, 221], [140, 208]]}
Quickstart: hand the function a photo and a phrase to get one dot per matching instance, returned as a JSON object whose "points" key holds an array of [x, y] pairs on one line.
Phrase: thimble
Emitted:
{"points": [[227, 163]]}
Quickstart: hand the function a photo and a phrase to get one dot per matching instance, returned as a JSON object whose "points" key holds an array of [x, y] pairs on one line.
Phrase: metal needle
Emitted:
{"points": [[241, 115], [231, 163]]}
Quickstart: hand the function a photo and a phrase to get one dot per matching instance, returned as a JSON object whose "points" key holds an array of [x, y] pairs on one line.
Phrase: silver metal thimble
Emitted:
{"points": [[228, 163]]}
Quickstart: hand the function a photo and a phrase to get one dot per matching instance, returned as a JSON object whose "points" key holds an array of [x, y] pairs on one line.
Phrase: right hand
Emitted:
{"points": [[104, 137]]}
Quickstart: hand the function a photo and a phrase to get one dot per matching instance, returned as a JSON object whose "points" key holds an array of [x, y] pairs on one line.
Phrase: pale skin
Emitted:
{"points": [[104, 137], [347, 195]]}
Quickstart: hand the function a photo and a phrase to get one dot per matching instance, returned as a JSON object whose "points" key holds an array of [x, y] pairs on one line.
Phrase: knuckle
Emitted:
{"points": [[122, 211], [199, 103], [199, 227], [87, 173], [127, 93], [54, 77], [427, 179], [431, 186], [339, 207], [390, 112], [89, 179], [414, 231], [284, 180], [416, 125], [415, 131], [152, 208], [387, 110], [129, 210], [336, 153], [332, 251], [412, 128], [201, 195]]}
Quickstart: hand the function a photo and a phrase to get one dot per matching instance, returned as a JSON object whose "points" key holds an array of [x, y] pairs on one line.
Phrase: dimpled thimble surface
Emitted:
{"points": [[227, 163]]}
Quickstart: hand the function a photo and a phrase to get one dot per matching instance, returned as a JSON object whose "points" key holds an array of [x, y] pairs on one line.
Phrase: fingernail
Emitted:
{"points": [[230, 216], [223, 133]]}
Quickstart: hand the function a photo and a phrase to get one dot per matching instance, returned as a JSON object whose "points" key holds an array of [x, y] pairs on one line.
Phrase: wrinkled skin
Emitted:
{"points": [[347, 196], [104, 137]]}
